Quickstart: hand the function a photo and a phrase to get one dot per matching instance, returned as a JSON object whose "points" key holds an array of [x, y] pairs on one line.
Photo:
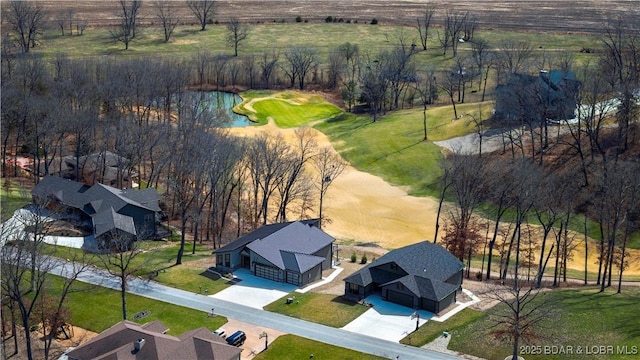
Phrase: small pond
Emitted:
{"points": [[224, 102]]}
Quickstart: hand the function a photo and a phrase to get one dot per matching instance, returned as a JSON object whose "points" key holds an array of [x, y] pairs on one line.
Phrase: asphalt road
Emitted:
{"points": [[250, 315]]}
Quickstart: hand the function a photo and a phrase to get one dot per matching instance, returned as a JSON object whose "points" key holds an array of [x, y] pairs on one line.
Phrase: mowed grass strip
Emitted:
{"points": [[330, 310], [96, 308], [295, 347], [433, 329], [583, 317], [393, 147]]}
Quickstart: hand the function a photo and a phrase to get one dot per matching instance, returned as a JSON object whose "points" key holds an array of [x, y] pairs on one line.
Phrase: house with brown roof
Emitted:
{"points": [[130, 341], [292, 252]]}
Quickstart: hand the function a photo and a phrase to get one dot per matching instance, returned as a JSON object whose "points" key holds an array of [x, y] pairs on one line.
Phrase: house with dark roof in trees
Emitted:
{"points": [[552, 95], [128, 340], [108, 211], [292, 252], [420, 276]]}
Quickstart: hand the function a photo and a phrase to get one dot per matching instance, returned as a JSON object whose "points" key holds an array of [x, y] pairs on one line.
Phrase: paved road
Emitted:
{"points": [[250, 315]]}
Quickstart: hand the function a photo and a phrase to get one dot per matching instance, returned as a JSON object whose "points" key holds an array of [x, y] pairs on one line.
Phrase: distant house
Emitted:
{"points": [[102, 167], [128, 340], [550, 95], [293, 252], [110, 211], [419, 276]]}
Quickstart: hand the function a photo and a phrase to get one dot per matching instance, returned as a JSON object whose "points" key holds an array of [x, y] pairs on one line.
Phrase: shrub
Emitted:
{"points": [[353, 257], [298, 18], [374, 21], [328, 19], [363, 260]]}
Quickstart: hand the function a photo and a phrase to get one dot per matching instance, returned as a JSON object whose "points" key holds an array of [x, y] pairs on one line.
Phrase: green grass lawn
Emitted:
{"points": [[330, 310], [96, 308], [584, 318], [392, 147], [295, 347], [287, 109], [433, 329], [12, 198]]}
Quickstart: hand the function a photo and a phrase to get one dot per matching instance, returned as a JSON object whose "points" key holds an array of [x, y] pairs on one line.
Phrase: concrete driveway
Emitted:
{"points": [[386, 320], [253, 291]]}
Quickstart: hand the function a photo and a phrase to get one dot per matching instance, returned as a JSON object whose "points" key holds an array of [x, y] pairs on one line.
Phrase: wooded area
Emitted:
{"points": [[556, 167]]}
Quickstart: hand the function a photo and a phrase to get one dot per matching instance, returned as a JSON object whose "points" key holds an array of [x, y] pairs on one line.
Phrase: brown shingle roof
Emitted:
{"points": [[118, 343]]}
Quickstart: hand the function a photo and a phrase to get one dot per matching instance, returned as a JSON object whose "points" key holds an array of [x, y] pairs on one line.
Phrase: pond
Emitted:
{"points": [[223, 102]]}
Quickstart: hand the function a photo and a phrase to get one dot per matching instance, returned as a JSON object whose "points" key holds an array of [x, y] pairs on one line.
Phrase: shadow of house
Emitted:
{"points": [[128, 340], [419, 276], [293, 252], [109, 211], [552, 95]]}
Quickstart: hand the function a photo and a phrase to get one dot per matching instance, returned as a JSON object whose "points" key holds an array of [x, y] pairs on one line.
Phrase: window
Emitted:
{"points": [[218, 259], [354, 288], [227, 260], [148, 218], [399, 286], [394, 266]]}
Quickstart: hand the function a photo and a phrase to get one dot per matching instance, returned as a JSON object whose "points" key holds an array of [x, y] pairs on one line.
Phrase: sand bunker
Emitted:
{"points": [[364, 208]]}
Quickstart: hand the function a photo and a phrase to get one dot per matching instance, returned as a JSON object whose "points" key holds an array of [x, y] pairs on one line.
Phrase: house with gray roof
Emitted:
{"points": [[130, 341], [420, 276], [293, 252], [109, 211]]}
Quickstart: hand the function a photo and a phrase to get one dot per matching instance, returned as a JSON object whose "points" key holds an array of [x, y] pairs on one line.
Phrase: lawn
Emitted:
{"points": [[287, 109], [330, 310], [433, 329], [12, 197], [295, 347], [584, 318], [390, 148], [106, 310]]}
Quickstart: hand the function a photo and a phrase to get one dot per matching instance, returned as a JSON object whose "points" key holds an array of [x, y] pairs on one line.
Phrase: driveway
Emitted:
{"points": [[253, 291], [386, 320]]}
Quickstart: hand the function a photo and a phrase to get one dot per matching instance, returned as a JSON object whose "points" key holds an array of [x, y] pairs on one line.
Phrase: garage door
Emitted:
{"points": [[400, 298], [293, 278], [267, 272]]}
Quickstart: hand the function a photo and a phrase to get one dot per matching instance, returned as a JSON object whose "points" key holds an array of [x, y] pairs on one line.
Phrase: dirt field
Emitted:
{"points": [[546, 15]]}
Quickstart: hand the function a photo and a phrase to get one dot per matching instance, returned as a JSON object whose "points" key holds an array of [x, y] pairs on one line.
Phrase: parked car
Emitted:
{"points": [[237, 338], [220, 332]]}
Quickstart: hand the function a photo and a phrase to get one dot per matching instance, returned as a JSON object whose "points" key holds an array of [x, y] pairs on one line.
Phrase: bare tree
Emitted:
{"points": [[300, 60], [236, 33], [293, 187], [27, 20], [524, 309], [427, 87], [24, 267], [168, 19], [351, 57], [453, 26], [423, 24], [620, 62], [514, 55], [203, 10], [126, 30], [118, 252], [329, 166], [373, 84], [268, 66]]}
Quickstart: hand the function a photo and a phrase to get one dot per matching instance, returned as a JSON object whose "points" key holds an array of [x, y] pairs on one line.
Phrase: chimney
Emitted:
{"points": [[138, 344]]}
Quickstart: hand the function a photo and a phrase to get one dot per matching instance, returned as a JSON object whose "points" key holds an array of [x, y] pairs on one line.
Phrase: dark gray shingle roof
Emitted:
{"points": [[423, 259], [296, 238]]}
